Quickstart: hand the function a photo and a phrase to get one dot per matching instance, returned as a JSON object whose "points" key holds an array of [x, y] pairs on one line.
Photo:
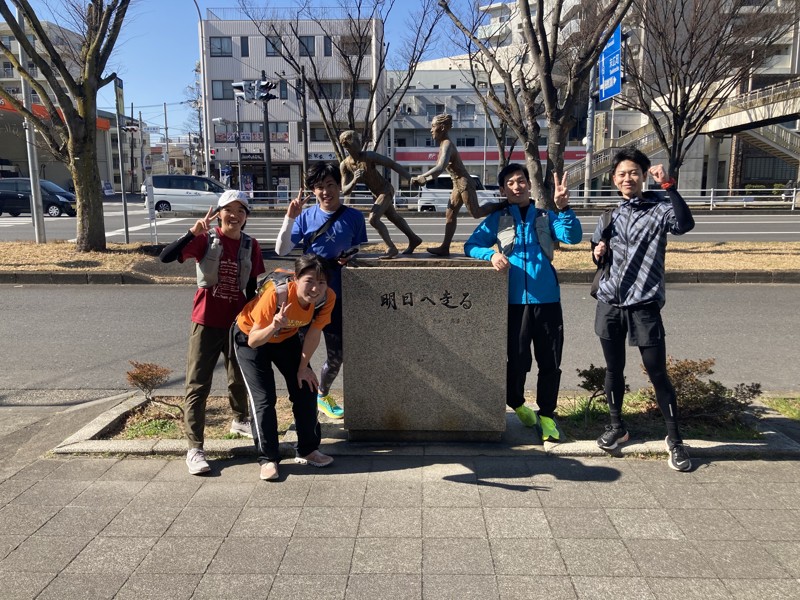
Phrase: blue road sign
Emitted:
{"points": [[611, 66]]}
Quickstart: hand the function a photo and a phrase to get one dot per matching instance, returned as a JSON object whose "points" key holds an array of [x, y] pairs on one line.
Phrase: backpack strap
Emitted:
{"points": [[325, 226]]}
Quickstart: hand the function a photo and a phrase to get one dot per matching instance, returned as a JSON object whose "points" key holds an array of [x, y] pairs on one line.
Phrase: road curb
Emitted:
{"points": [[131, 278], [85, 441]]}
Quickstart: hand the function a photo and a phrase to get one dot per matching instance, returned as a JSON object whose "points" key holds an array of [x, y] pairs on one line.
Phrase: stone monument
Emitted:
{"points": [[426, 351]]}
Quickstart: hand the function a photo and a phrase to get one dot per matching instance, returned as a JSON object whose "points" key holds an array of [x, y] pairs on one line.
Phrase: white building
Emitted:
{"points": [[235, 50]]}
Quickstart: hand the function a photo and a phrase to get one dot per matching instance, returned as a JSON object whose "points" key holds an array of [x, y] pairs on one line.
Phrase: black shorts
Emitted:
{"points": [[642, 324]]}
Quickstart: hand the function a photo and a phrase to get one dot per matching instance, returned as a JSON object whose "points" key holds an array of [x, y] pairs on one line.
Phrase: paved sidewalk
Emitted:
{"points": [[431, 522]]}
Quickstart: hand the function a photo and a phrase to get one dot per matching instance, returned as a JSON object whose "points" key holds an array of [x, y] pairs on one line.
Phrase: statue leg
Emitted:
{"points": [[378, 209], [450, 223], [413, 239]]}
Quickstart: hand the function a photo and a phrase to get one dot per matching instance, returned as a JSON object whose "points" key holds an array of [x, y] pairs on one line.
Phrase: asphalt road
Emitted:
{"points": [[81, 337], [750, 225]]}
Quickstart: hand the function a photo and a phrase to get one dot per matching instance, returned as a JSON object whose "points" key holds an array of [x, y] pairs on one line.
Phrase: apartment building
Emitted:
{"points": [[236, 50], [13, 147]]}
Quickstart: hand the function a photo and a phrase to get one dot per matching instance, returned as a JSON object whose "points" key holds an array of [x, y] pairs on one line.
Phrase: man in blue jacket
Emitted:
{"points": [[524, 237]]}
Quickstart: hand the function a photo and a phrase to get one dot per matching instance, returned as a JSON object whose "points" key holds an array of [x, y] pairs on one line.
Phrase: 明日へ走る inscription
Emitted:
{"points": [[446, 299]]}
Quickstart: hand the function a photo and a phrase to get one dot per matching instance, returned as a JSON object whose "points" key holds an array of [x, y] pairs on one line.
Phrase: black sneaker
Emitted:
{"points": [[613, 437], [678, 458]]}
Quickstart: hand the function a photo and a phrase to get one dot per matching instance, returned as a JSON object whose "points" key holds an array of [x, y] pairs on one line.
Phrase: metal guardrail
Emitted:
{"points": [[710, 198]]}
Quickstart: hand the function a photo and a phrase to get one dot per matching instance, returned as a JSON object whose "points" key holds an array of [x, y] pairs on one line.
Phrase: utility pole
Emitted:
{"points": [[37, 210], [264, 88], [133, 145], [166, 138]]}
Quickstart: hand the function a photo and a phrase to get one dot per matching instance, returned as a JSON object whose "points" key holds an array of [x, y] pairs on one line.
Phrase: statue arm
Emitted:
{"points": [[445, 154], [347, 183], [385, 161]]}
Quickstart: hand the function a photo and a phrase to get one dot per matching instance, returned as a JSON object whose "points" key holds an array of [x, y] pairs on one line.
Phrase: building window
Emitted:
{"points": [[6, 40], [318, 134], [436, 86], [299, 131], [221, 46], [222, 89], [360, 91], [327, 46], [278, 132], [283, 90], [35, 98], [33, 70], [356, 46], [465, 141], [8, 70], [273, 45], [465, 112], [244, 46], [306, 45], [431, 110], [330, 89]]}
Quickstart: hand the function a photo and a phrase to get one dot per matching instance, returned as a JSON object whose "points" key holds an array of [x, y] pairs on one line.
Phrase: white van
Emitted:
{"points": [[435, 195], [183, 192]]}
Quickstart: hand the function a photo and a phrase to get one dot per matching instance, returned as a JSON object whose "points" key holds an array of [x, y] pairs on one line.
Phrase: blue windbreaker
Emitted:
{"points": [[532, 278]]}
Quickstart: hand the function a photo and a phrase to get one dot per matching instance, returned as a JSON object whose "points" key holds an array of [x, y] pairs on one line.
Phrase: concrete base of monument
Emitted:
{"points": [[425, 348]]}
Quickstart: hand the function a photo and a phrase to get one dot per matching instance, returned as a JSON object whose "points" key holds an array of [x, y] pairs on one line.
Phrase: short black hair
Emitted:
{"points": [[508, 170], [319, 171], [632, 154], [311, 262]]}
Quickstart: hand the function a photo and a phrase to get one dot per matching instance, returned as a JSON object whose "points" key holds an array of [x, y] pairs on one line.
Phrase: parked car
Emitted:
{"points": [[435, 195], [15, 197], [183, 192]]}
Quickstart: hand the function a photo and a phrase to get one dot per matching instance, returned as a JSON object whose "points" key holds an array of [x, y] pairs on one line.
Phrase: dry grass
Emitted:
{"points": [[218, 420], [139, 257]]}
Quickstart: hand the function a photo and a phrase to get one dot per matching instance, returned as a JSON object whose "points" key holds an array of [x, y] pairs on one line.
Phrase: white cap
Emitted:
{"points": [[233, 196]]}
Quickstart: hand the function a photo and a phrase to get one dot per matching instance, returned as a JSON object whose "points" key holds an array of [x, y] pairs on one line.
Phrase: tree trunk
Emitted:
{"points": [[91, 235]]}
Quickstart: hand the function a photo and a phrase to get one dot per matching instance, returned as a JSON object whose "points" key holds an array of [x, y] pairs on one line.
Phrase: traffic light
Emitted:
{"points": [[212, 153], [264, 88], [244, 90]]}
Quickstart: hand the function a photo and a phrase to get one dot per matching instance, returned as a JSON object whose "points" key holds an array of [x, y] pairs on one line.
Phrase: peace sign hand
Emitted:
{"points": [[296, 206], [202, 225], [561, 195], [280, 320]]}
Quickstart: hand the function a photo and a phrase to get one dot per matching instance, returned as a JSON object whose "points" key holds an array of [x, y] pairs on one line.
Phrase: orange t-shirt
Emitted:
{"points": [[261, 310]]}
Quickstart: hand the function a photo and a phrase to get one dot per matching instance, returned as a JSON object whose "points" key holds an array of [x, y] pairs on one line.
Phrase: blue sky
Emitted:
{"points": [[157, 51]]}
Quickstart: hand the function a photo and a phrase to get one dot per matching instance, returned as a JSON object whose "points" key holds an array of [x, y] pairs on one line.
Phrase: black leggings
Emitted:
{"points": [[654, 359]]}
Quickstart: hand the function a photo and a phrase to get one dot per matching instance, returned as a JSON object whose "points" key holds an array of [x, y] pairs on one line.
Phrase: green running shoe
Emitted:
{"points": [[327, 405], [527, 416], [549, 429]]}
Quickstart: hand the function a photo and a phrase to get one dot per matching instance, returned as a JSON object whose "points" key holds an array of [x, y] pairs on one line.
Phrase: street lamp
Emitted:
{"points": [[237, 139]]}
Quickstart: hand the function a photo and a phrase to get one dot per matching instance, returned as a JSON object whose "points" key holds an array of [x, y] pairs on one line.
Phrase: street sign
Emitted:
{"points": [[151, 129], [611, 66]]}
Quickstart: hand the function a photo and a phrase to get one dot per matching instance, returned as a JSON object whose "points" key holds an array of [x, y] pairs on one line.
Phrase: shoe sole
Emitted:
{"points": [[312, 463], [247, 435], [329, 414], [198, 471], [621, 440]]}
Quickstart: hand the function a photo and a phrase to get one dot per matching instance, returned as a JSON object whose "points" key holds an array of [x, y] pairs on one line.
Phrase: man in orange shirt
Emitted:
{"points": [[266, 334]]}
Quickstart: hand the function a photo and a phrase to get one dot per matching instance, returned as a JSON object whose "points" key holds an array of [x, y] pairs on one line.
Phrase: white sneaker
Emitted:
{"points": [[196, 461], [242, 428], [315, 459]]}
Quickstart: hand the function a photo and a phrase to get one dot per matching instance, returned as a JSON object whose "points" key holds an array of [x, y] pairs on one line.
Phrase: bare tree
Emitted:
{"points": [[562, 41], [357, 101], [686, 58], [74, 68]]}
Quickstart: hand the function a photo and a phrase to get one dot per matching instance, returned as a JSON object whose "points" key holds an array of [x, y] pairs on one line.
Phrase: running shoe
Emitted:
{"points": [[678, 458], [549, 429], [196, 461], [327, 405], [613, 437], [242, 428], [527, 416]]}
